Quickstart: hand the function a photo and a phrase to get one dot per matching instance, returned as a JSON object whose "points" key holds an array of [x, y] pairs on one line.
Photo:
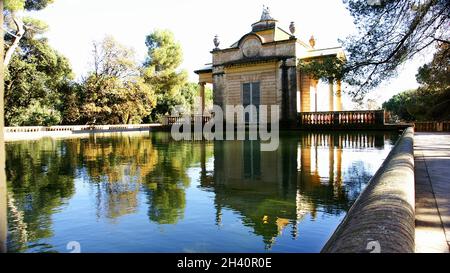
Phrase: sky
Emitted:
{"points": [[75, 24]]}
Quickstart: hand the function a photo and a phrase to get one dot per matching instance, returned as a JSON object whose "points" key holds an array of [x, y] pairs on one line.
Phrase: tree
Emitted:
{"points": [[3, 211], [325, 68], [431, 101], [161, 71], [113, 92], [70, 103], [33, 81], [389, 33], [134, 101], [436, 74], [35, 72], [18, 25], [398, 105], [190, 92]]}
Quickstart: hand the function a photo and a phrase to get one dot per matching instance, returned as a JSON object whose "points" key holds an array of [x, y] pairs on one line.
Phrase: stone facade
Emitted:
{"points": [[269, 56]]}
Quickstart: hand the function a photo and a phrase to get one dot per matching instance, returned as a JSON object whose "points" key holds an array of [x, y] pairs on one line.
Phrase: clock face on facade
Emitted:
{"points": [[251, 47]]}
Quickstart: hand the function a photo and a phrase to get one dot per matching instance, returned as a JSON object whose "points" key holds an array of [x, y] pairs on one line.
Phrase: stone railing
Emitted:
{"points": [[342, 118], [32, 132], [382, 219], [34, 129], [169, 120], [432, 126]]}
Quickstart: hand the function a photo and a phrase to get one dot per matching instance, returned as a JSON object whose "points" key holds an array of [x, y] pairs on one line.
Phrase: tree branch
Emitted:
{"points": [[19, 34]]}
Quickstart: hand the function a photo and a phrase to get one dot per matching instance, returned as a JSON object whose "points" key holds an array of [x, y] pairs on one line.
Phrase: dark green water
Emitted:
{"points": [[148, 193]]}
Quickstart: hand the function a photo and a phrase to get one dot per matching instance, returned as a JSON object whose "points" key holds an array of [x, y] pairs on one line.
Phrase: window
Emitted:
{"points": [[252, 159], [251, 96]]}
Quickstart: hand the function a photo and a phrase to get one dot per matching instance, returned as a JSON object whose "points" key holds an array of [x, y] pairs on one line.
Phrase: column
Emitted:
{"points": [[338, 96], [202, 95], [331, 158], [339, 164], [305, 93], [203, 162], [315, 83], [331, 95]]}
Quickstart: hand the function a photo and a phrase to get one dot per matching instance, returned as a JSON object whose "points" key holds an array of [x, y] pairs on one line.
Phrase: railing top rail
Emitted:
{"points": [[420, 122], [348, 111]]}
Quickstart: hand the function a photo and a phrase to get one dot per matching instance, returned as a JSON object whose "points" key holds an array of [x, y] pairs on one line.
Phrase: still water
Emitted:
{"points": [[149, 193]]}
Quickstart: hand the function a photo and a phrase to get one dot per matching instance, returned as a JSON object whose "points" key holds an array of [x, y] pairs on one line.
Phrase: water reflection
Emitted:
{"points": [[274, 189], [114, 177]]}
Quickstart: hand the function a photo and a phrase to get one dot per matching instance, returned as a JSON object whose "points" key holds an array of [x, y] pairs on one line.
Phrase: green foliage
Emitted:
{"points": [[34, 195], [160, 71], [39, 86], [431, 101], [14, 5], [37, 4], [17, 5], [436, 74], [108, 100], [164, 53], [36, 114], [34, 27], [113, 93], [389, 33], [325, 68], [32, 84], [70, 103], [398, 105]]}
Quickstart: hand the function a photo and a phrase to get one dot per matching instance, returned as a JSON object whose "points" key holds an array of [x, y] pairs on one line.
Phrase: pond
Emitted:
{"points": [[148, 193]]}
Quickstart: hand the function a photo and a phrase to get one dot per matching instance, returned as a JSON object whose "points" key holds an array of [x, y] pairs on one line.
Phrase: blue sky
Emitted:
{"points": [[74, 24]]}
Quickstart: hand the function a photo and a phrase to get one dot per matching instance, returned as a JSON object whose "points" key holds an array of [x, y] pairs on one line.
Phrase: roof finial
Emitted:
{"points": [[312, 41], [266, 14], [292, 28], [216, 41]]}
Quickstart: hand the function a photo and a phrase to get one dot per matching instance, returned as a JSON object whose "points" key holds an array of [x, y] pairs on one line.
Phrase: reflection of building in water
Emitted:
{"points": [[247, 180], [274, 190]]}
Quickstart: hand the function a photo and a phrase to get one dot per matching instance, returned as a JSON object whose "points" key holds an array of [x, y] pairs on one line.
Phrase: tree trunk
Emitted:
{"points": [[19, 34], [3, 223]]}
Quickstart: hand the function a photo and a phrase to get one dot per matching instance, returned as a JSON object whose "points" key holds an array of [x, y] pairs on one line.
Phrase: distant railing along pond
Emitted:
{"points": [[342, 118], [432, 126], [169, 120], [30, 129], [338, 118]]}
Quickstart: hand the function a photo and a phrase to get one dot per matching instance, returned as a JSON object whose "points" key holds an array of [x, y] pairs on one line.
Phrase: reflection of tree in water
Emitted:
{"points": [[356, 177], [121, 166], [40, 178], [167, 182], [269, 190], [117, 166]]}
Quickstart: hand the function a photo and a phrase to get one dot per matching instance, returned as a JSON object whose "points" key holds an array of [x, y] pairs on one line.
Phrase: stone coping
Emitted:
{"points": [[36, 132], [382, 219]]}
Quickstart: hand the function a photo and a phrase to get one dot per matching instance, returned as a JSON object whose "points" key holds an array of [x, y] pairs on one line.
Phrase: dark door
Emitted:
{"points": [[251, 96]]}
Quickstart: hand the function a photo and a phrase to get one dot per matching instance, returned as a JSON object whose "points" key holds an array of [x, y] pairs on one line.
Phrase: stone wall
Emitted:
{"points": [[304, 83], [283, 48], [382, 219], [266, 75]]}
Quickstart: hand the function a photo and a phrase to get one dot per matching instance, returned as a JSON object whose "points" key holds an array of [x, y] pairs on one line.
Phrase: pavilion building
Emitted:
{"points": [[261, 68]]}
